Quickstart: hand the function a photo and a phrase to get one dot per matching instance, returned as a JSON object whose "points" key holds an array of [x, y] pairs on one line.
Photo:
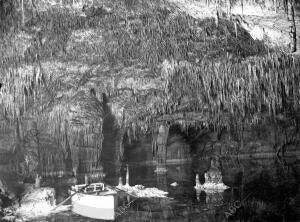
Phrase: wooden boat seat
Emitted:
{"points": [[93, 187]]}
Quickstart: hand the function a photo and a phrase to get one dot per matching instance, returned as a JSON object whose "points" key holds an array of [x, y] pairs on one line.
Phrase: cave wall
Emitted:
{"points": [[19, 152], [261, 141], [178, 148], [6, 135], [139, 151]]}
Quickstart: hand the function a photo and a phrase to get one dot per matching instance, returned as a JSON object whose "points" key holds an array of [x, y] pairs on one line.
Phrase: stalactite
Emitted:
{"points": [[235, 28], [242, 5], [23, 13], [242, 88], [293, 28], [285, 6]]}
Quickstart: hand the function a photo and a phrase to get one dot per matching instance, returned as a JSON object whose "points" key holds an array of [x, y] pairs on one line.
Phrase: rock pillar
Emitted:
{"points": [[160, 148], [213, 175]]}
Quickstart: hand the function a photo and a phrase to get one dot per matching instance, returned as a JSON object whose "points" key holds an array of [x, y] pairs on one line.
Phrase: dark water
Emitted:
{"points": [[260, 190]]}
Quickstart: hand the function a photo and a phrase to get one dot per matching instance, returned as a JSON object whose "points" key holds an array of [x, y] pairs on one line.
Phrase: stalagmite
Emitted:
{"points": [[213, 179], [217, 18], [86, 179], [120, 182], [127, 175], [37, 181], [235, 28], [197, 182]]}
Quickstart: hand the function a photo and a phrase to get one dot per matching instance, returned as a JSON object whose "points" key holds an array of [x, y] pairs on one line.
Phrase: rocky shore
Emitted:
{"points": [[32, 203]]}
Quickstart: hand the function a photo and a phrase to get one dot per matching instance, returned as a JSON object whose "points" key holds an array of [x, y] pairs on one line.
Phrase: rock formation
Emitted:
{"points": [[181, 62], [36, 202], [213, 179], [214, 175], [160, 148]]}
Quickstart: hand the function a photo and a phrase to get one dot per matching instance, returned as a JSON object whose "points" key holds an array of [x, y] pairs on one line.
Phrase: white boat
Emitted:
{"points": [[94, 201]]}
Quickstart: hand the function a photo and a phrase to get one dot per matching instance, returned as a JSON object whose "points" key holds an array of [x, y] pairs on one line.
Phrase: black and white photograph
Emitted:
{"points": [[149, 110]]}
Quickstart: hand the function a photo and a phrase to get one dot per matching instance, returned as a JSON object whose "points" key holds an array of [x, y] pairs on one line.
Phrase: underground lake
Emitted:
{"points": [[139, 110]]}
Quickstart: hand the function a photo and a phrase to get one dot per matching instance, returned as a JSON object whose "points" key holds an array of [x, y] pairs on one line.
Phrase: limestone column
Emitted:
{"points": [[68, 158], [32, 152], [160, 148]]}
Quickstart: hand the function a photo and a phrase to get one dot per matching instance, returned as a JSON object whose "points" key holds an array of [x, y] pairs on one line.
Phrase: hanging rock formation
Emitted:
{"points": [[164, 61]]}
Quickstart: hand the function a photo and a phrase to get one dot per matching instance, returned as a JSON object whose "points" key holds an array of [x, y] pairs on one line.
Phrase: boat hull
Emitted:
{"points": [[94, 206]]}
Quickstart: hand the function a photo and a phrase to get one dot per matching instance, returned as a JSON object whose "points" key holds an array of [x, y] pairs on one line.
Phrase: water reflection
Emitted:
{"points": [[162, 182], [261, 190]]}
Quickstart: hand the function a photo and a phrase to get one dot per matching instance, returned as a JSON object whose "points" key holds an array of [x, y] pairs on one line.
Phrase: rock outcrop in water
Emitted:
{"points": [[36, 202], [213, 179], [214, 175], [5, 201], [141, 191]]}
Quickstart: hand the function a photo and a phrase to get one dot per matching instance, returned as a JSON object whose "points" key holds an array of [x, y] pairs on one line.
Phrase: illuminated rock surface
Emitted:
{"points": [[141, 191], [213, 179], [36, 203]]}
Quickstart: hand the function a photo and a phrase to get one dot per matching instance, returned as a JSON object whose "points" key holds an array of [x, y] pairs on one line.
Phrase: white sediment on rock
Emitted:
{"points": [[38, 203], [160, 170], [213, 179], [175, 184], [141, 191], [211, 187]]}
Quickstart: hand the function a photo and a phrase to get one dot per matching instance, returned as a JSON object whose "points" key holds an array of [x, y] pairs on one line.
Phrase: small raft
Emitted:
{"points": [[95, 201]]}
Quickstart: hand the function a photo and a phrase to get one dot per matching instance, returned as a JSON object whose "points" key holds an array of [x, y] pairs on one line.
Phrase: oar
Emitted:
{"points": [[118, 189], [64, 201]]}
